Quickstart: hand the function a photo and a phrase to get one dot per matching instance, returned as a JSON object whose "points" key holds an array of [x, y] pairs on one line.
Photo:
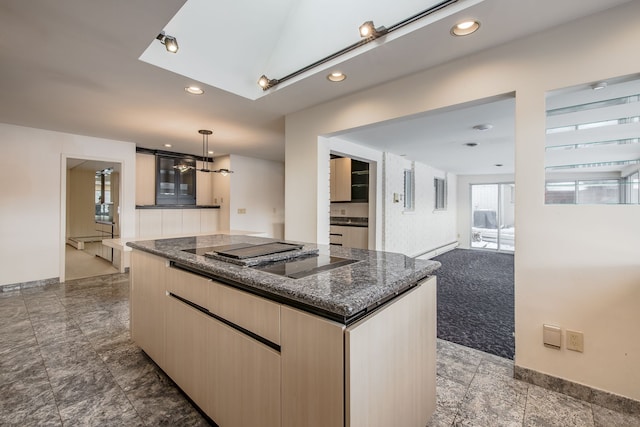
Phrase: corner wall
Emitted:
{"points": [[32, 213], [575, 266]]}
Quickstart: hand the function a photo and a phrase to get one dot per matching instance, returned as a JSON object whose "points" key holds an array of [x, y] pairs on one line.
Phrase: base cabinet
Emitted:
{"points": [[274, 365]]}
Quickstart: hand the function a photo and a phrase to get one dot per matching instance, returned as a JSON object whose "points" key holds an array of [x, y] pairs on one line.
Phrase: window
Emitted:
{"points": [[175, 181], [592, 151], [409, 190], [440, 186]]}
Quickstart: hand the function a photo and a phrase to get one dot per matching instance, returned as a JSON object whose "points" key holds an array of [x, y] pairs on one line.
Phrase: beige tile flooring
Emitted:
{"points": [[80, 264], [66, 358]]}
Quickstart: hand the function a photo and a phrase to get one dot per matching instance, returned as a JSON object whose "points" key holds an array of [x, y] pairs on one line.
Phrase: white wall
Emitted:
{"points": [[464, 202], [423, 229], [257, 187], [33, 209], [575, 266]]}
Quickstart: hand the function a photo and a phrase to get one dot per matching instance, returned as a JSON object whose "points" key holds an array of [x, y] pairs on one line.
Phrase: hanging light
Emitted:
{"points": [[205, 148], [223, 172]]}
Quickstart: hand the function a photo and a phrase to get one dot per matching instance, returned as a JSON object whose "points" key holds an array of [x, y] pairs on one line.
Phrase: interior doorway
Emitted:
{"points": [[92, 214], [492, 216]]}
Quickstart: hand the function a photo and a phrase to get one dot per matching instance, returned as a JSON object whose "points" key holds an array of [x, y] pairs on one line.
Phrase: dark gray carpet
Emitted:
{"points": [[476, 300]]}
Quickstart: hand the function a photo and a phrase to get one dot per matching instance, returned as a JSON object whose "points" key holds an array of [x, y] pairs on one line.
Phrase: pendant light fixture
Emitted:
{"points": [[205, 149]]}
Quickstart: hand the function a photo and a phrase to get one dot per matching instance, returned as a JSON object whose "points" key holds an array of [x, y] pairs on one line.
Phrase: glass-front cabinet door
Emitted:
{"points": [[176, 181]]}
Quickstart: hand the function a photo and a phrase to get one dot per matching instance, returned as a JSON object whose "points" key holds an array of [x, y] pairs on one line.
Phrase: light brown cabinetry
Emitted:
{"points": [[148, 304], [204, 185], [350, 237], [340, 178], [389, 357], [145, 179], [246, 360]]}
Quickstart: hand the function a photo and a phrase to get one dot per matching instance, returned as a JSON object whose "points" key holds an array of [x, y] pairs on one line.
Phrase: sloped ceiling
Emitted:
{"points": [[74, 65]]}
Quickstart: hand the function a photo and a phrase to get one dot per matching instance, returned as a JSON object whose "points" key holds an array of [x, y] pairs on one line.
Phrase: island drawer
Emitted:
{"points": [[191, 287], [253, 313]]}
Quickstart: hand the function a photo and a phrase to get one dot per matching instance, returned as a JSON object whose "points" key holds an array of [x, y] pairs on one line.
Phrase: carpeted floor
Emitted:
{"points": [[476, 300]]}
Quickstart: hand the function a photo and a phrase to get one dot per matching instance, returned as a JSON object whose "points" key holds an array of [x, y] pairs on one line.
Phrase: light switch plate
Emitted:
{"points": [[552, 336]]}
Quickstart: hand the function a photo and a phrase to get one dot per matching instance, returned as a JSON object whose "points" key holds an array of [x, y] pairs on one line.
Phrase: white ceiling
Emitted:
{"points": [[73, 65]]}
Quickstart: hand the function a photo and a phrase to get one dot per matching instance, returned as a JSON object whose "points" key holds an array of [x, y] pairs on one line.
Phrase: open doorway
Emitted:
{"points": [[92, 215]]}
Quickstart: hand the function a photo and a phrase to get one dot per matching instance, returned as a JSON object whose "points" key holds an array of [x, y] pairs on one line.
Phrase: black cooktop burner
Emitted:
{"points": [[303, 267]]}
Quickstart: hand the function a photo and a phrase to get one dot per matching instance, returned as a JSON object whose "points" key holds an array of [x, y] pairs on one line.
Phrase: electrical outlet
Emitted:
{"points": [[242, 211], [552, 336], [575, 341]]}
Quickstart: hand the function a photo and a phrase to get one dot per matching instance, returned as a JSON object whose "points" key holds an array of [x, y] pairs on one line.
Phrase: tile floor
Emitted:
{"points": [[66, 358]]}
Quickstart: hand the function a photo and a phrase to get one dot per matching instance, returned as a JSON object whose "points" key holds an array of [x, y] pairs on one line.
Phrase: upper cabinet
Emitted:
{"points": [[145, 179], [172, 180], [176, 181], [349, 180], [204, 186]]}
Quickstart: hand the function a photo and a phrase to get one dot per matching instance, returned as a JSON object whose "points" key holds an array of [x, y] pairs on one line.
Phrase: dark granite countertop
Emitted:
{"points": [[343, 294], [349, 221]]}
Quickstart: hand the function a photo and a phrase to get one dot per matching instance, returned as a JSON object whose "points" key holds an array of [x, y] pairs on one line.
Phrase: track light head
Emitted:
{"points": [[265, 83], [169, 42], [369, 31]]}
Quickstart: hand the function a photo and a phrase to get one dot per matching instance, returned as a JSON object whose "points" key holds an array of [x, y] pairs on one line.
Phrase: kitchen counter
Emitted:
{"points": [[343, 294], [253, 347]]}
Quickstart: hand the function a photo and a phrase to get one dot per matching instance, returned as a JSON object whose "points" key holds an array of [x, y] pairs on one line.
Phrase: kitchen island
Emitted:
{"points": [[310, 336]]}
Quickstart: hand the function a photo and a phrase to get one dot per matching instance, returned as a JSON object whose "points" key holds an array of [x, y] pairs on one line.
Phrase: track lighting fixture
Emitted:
{"points": [[169, 42], [369, 31]]}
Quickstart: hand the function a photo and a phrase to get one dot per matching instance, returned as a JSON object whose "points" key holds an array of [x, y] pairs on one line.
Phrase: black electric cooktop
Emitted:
{"points": [[302, 267]]}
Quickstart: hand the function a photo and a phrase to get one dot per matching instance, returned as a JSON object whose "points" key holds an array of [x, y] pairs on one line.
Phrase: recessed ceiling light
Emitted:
{"points": [[599, 85], [465, 28], [194, 90], [483, 126], [167, 145], [336, 76], [471, 144], [210, 151], [499, 165]]}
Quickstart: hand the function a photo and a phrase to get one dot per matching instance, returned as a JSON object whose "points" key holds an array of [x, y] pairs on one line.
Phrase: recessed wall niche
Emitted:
{"points": [[592, 149]]}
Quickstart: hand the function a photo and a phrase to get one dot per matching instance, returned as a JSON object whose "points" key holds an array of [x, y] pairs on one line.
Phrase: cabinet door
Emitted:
{"points": [[342, 172], [187, 350], [204, 186], [244, 388], [147, 317], [312, 370], [145, 179], [358, 237], [332, 180]]}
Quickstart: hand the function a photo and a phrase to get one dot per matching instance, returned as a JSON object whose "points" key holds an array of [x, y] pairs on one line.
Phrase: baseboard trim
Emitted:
{"points": [[579, 391], [32, 284], [437, 251]]}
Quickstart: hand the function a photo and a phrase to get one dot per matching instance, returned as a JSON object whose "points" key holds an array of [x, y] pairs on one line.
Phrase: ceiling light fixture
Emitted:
{"points": [[465, 28], [471, 144], [499, 165], [371, 34], [599, 85], [223, 172], [369, 31], [265, 82], [483, 127], [205, 149], [194, 90], [170, 43], [336, 76], [167, 145]]}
